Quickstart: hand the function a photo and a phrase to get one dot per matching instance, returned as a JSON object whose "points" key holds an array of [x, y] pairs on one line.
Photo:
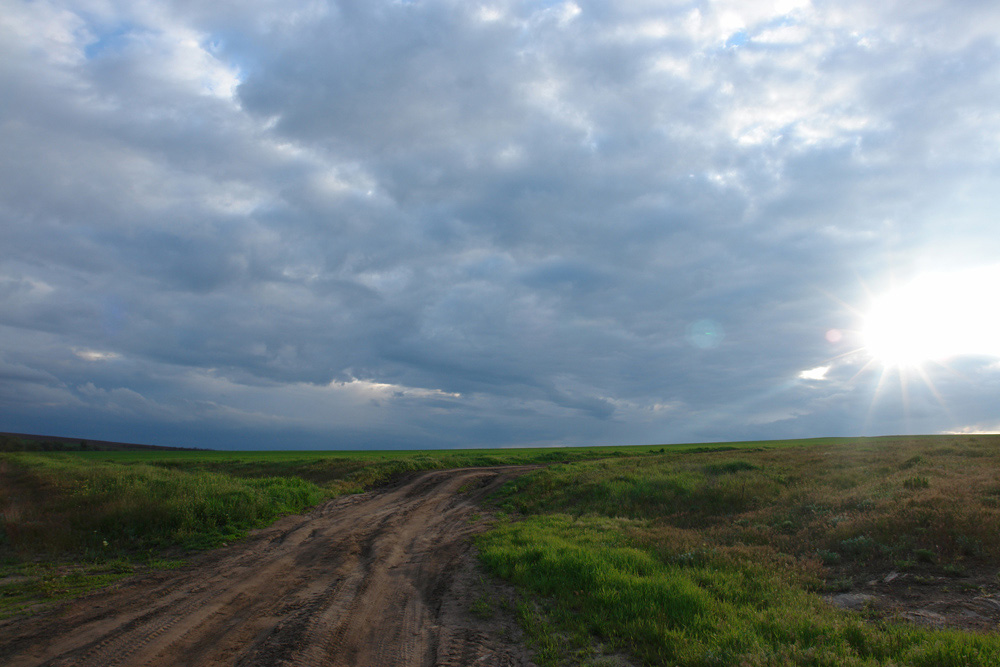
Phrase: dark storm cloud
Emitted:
{"points": [[447, 224]]}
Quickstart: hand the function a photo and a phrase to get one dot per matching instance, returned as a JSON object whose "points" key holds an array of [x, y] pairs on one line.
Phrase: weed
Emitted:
{"points": [[483, 607], [841, 585], [914, 483], [858, 547], [953, 569], [729, 467], [787, 527], [694, 558], [969, 546], [828, 557]]}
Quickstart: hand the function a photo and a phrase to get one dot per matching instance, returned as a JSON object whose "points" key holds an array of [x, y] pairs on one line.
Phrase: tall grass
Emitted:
{"points": [[69, 525], [57, 504]]}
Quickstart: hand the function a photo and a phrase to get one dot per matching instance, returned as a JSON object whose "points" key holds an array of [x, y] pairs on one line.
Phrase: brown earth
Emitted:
{"points": [[386, 578]]}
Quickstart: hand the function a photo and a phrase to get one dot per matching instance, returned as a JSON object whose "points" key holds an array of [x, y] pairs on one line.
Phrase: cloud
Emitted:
{"points": [[818, 373], [404, 224], [96, 355]]}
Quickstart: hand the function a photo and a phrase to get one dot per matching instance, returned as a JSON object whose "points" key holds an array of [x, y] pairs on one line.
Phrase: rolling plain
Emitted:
{"points": [[836, 551]]}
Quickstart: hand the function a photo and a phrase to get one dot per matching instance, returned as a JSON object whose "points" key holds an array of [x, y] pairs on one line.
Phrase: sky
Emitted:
{"points": [[448, 223]]}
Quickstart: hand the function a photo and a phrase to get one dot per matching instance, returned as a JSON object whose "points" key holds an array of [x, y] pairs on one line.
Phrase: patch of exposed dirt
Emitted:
{"points": [[968, 602], [383, 578]]}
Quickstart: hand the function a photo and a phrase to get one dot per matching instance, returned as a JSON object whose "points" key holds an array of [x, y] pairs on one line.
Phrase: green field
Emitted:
{"points": [[721, 557], [687, 555]]}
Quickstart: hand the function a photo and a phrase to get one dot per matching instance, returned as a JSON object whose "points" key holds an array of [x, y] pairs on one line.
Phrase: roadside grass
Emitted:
{"points": [[59, 504], [69, 520], [69, 526], [703, 558]]}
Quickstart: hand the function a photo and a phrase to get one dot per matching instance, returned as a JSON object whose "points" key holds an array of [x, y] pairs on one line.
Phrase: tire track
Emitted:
{"points": [[381, 578]]}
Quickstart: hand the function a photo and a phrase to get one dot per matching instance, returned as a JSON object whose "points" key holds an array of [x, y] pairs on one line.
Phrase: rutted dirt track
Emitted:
{"points": [[379, 579]]}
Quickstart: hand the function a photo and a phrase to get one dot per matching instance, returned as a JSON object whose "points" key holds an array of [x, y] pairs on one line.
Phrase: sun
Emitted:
{"points": [[936, 317]]}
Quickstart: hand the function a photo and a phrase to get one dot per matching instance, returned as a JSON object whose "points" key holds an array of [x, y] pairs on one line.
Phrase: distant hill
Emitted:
{"points": [[27, 442]]}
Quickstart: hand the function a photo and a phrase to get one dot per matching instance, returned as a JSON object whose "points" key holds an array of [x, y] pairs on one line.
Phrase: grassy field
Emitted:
{"points": [[675, 555], [71, 521], [723, 557]]}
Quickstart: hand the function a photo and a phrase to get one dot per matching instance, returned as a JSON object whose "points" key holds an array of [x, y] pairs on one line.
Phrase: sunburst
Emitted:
{"points": [[927, 323]]}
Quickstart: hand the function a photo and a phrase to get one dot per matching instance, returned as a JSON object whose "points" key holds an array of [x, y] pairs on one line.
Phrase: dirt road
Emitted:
{"points": [[380, 579]]}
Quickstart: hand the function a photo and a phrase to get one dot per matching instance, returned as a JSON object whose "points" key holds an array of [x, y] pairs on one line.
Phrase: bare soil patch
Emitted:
{"points": [[382, 578], [968, 602]]}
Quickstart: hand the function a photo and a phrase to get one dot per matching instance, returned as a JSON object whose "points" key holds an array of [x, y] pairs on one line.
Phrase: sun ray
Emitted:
{"points": [[868, 364], [925, 376], [875, 395], [904, 392]]}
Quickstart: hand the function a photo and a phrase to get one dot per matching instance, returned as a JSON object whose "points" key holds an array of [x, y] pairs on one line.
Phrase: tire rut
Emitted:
{"points": [[373, 579]]}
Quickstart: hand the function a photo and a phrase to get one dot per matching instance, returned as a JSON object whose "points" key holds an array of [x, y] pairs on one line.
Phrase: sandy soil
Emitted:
{"points": [[384, 578]]}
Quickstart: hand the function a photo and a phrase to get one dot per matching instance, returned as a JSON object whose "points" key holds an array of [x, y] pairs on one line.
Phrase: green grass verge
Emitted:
{"points": [[69, 525], [58, 503]]}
